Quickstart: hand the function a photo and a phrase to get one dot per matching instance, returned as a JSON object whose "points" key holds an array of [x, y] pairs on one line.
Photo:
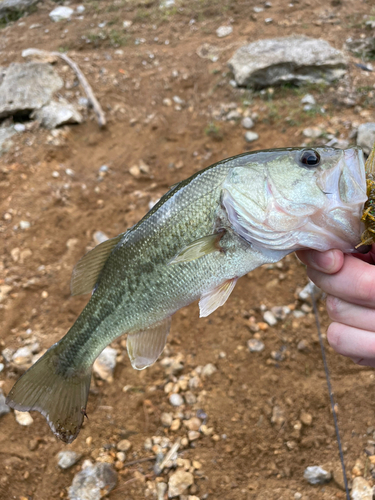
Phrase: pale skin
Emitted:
{"points": [[349, 281]]}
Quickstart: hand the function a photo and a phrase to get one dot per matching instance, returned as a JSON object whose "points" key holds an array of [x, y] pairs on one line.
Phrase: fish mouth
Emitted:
{"points": [[344, 186]]}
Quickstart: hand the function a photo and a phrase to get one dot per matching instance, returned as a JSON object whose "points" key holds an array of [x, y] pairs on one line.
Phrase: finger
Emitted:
{"points": [[327, 262], [350, 314], [355, 282], [355, 343], [364, 361]]}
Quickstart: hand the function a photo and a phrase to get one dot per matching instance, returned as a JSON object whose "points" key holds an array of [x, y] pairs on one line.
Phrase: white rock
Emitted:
{"points": [[223, 31], [312, 132], [23, 356], [61, 13], [105, 364], [176, 399], [251, 136], [255, 345], [209, 370], [269, 318], [247, 122], [24, 224], [67, 458], [126, 24], [308, 99], [93, 482], [23, 417], [19, 127], [361, 490], [317, 475], [100, 237], [179, 482], [80, 9], [4, 408]]}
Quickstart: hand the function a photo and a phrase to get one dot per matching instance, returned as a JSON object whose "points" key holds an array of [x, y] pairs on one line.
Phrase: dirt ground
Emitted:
{"points": [[134, 72]]}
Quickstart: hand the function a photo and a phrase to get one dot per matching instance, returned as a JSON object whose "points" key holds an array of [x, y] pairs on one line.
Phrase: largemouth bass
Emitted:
{"points": [[204, 234]]}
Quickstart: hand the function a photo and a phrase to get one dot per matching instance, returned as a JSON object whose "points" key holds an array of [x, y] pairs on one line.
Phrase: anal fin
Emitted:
{"points": [[145, 347], [199, 248], [216, 297], [87, 270]]}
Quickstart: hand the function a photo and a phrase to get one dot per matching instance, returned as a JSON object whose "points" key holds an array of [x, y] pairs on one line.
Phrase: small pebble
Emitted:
{"points": [[67, 458], [306, 418], [99, 237], [251, 136], [223, 31], [126, 24], [24, 224], [166, 419], [19, 127], [176, 399], [209, 370], [269, 318], [317, 475], [124, 445], [23, 417], [312, 132], [178, 483], [247, 122], [255, 345]]}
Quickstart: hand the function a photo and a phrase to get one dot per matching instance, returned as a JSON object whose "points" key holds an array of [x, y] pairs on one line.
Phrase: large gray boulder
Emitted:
{"points": [[27, 86], [9, 7], [366, 136], [294, 59]]}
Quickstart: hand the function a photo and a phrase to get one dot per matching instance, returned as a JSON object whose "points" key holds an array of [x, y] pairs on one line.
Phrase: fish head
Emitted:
{"points": [[290, 199]]}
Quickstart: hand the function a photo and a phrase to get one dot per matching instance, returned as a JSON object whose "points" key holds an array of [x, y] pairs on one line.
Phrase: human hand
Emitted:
{"points": [[349, 282]]}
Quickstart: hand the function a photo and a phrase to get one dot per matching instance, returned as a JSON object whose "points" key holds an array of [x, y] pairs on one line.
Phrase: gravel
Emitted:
{"points": [[4, 408], [93, 482], [179, 482]]}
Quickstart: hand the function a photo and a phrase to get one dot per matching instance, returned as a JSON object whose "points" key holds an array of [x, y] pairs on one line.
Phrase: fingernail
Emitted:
{"points": [[324, 261]]}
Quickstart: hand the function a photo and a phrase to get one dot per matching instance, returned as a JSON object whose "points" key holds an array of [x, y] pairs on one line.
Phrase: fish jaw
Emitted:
{"points": [[339, 223], [320, 210]]}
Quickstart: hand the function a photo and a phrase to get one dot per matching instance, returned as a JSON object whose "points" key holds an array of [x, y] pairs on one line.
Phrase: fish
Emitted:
{"points": [[194, 244]]}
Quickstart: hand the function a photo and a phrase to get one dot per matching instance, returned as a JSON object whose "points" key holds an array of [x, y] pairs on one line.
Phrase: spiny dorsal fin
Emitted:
{"points": [[199, 248], [145, 347], [215, 298], [86, 272]]}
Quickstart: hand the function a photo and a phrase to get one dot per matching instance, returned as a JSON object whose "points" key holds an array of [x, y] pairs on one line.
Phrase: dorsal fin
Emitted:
{"points": [[87, 270]]}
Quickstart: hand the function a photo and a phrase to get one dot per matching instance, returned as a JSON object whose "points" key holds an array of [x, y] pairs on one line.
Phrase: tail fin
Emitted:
{"points": [[60, 398]]}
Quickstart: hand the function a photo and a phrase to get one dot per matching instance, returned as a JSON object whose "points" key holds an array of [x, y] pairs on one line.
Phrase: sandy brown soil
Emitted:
{"points": [[249, 457]]}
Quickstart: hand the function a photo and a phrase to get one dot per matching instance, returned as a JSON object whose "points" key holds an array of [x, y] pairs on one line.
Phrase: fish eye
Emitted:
{"points": [[310, 158]]}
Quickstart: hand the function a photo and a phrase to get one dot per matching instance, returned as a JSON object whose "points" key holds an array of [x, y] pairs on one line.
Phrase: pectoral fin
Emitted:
{"points": [[215, 298], [199, 248], [145, 347], [87, 270]]}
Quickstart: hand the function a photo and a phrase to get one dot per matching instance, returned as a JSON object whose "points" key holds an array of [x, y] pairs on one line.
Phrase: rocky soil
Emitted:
{"points": [[237, 406]]}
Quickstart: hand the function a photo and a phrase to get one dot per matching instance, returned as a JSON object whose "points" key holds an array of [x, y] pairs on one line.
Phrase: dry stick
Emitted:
{"points": [[81, 77], [139, 461]]}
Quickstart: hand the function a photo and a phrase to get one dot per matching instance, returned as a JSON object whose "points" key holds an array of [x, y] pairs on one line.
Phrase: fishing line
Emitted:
{"points": [[330, 392]]}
